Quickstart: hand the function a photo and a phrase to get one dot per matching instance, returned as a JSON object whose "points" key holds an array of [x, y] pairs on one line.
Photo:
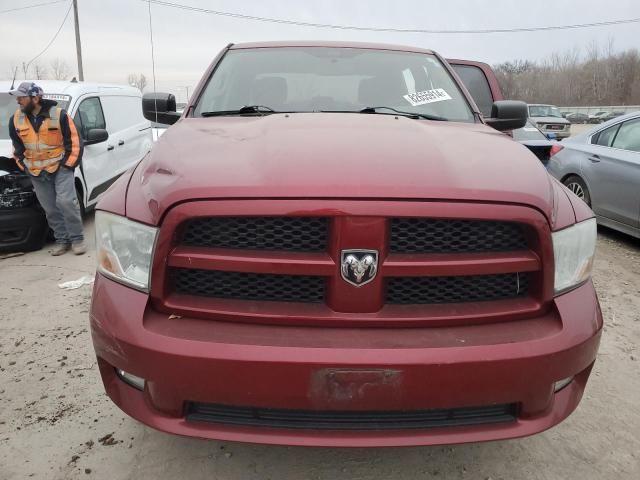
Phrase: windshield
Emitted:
{"points": [[544, 111], [313, 79], [528, 132], [8, 106]]}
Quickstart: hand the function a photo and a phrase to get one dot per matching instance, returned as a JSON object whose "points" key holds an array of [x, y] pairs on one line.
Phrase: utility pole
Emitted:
{"points": [[78, 47]]}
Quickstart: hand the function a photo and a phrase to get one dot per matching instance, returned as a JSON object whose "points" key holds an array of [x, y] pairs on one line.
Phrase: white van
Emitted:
{"points": [[95, 108]]}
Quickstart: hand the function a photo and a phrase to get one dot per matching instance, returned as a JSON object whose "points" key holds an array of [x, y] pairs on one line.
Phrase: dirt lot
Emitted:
{"points": [[56, 422]]}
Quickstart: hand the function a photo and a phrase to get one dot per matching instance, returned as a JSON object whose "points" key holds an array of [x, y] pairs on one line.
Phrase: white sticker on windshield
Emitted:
{"points": [[427, 96], [57, 97]]}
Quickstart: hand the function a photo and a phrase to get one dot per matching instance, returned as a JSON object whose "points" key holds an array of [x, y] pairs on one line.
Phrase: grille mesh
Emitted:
{"points": [[419, 235], [350, 420], [293, 234], [473, 288], [249, 286]]}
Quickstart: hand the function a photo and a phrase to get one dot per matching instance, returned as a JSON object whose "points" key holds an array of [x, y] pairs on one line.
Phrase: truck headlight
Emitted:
{"points": [[574, 249], [125, 249]]}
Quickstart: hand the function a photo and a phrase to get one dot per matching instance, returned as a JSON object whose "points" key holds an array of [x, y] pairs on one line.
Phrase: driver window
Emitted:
{"points": [[89, 116]]}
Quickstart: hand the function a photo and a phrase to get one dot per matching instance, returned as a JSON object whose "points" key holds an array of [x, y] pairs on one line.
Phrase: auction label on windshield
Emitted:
{"points": [[427, 96]]}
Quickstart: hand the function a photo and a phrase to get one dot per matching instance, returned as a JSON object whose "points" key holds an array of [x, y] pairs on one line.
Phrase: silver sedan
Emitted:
{"points": [[602, 167]]}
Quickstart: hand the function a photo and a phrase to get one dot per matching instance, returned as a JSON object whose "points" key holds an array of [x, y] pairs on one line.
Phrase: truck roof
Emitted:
{"points": [[314, 43]]}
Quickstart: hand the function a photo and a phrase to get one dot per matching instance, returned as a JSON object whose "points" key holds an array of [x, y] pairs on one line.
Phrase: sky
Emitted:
{"points": [[116, 40]]}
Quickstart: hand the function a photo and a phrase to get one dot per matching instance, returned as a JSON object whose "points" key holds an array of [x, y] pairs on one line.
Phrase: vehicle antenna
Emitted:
{"points": [[153, 64]]}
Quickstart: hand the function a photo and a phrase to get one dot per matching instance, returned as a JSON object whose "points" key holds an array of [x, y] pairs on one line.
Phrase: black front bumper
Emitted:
{"points": [[23, 225], [22, 229]]}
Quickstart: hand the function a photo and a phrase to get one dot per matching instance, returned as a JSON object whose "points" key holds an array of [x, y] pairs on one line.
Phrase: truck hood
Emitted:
{"points": [[332, 155], [563, 121]]}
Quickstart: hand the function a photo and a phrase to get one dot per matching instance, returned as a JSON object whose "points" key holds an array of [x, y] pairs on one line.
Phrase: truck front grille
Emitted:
{"points": [[428, 267]]}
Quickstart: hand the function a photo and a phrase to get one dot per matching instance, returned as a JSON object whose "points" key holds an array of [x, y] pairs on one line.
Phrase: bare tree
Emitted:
{"points": [[39, 71], [60, 69], [601, 77], [12, 72], [33, 70], [138, 81]]}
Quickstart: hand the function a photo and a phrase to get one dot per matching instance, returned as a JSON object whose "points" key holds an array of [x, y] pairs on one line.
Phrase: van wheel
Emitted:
{"points": [[579, 188], [79, 196]]}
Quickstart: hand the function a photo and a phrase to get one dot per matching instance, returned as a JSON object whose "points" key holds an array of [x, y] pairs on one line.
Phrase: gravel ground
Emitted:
{"points": [[57, 423]]}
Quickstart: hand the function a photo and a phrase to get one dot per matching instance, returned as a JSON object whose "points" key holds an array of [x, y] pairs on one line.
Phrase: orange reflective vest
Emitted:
{"points": [[44, 149]]}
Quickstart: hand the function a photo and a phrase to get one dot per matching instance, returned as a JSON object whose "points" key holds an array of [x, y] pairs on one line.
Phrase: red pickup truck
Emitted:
{"points": [[333, 246]]}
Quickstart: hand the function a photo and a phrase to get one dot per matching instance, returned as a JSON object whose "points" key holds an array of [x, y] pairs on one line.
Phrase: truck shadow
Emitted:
{"points": [[620, 238]]}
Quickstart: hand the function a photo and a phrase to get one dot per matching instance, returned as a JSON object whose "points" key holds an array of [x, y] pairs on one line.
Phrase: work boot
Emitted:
{"points": [[59, 249], [79, 248]]}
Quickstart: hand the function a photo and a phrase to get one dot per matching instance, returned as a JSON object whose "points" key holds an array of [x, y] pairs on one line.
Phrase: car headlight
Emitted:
{"points": [[574, 249], [125, 249]]}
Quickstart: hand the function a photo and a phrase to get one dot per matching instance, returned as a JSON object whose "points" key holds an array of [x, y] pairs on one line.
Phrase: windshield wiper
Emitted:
{"points": [[426, 116], [247, 109]]}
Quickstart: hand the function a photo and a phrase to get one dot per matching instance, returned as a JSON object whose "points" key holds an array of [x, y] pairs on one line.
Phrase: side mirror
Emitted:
{"points": [[508, 115], [160, 108], [96, 135], [551, 136]]}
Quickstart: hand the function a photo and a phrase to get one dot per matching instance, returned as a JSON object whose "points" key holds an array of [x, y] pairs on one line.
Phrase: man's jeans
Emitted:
{"points": [[56, 193]]}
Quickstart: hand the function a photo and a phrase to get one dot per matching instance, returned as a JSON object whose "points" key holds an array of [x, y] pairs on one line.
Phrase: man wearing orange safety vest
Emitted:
{"points": [[47, 147]]}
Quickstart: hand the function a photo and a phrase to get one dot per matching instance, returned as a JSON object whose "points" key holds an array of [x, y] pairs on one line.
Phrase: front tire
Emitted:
{"points": [[579, 188], [80, 196]]}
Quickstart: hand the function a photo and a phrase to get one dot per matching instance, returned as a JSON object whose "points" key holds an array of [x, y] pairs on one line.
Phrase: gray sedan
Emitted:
{"points": [[602, 167]]}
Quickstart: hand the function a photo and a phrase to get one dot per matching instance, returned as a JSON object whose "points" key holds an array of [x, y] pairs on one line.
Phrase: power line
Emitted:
{"points": [[387, 29], [32, 6], [53, 39]]}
